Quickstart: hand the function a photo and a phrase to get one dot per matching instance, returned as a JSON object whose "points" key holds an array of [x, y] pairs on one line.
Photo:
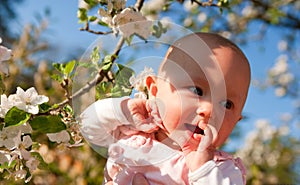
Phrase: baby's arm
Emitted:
{"points": [[106, 120], [101, 119]]}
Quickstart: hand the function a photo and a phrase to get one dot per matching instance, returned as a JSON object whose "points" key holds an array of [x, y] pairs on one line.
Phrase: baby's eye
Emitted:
{"points": [[197, 90], [227, 104]]}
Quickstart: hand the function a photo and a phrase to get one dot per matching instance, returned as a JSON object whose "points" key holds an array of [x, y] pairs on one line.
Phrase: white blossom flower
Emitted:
{"points": [[190, 5], [286, 117], [32, 163], [248, 11], [226, 34], [139, 82], [29, 100], [282, 45], [10, 136], [5, 53], [202, 17], [166, 22], [20, 174], [285, 79], [6, 104], [283, 130], [152, 8], [280, 67], [130, 22], [60, 137], [4, 157], [112, 6], [105, 16], [82, 4], [262, 124], [280, 91], [188, 21], [140, 95]]}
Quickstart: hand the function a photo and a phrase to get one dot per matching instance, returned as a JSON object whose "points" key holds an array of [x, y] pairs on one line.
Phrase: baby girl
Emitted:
{"points": [[194, 103]]}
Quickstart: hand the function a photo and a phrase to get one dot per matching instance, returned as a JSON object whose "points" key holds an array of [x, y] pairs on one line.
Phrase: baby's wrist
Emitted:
{"points": [[196, 159]]}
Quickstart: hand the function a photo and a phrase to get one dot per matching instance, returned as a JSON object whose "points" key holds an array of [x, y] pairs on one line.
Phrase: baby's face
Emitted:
{"points": [[191, 95]]}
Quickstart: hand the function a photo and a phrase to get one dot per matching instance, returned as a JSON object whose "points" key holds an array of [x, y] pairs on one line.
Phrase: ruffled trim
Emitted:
{"points": [[223, 156]]}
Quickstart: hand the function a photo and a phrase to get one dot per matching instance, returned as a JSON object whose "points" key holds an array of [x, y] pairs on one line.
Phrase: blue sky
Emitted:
{"points": [[64, 31]]}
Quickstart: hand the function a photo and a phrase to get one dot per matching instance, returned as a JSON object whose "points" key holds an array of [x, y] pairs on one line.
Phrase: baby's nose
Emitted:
{"points": [[205, 109]]}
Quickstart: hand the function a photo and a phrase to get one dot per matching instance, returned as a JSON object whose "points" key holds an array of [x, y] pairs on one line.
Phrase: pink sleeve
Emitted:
{"points": [[100, 120]]}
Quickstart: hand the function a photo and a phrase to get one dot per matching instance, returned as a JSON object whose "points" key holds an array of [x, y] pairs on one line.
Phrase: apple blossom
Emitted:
{"points": [[139, 82], [5, 53], [10, 137], [130, 22], [29, 100], [60, 137]]}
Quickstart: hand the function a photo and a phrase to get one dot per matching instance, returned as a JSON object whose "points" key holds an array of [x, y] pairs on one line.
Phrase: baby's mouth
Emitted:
{"points": [[194, 129]]}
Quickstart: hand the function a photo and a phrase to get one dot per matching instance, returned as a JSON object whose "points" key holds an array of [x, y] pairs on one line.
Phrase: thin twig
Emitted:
{"points": [[87, 28], [204, 4], [139, 4], [101, 74]]}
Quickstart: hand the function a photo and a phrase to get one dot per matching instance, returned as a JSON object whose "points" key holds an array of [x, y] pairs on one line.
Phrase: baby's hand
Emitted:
{"points": [[204, 153], [137, 113], [135, 109]]}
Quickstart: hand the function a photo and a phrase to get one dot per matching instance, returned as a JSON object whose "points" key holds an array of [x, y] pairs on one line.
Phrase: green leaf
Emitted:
{"points": [[92, 18], [69, 67], [107, 62], [103, 90], [45, 107], [47, 124], [59, 67], [95, 56], [91, 3], [82, 15], [15, 117], [122, 86], [57, 77], [42, 165], [123, 74]]}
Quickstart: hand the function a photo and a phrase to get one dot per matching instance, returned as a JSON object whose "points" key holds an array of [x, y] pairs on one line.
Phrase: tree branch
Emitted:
{"points": [[87, 28], [98, 78], [101, 74]]}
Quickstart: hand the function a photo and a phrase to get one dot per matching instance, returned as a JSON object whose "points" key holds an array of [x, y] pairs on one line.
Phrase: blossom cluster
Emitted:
{"points": [[15, 141], [19, 155], [280, 76], [126, 21], [28, 101], [263, 146], [139, 83]]}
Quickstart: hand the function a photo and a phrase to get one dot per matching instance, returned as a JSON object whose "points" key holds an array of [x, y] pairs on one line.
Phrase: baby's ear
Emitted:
{"points": [[151, 85]]}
